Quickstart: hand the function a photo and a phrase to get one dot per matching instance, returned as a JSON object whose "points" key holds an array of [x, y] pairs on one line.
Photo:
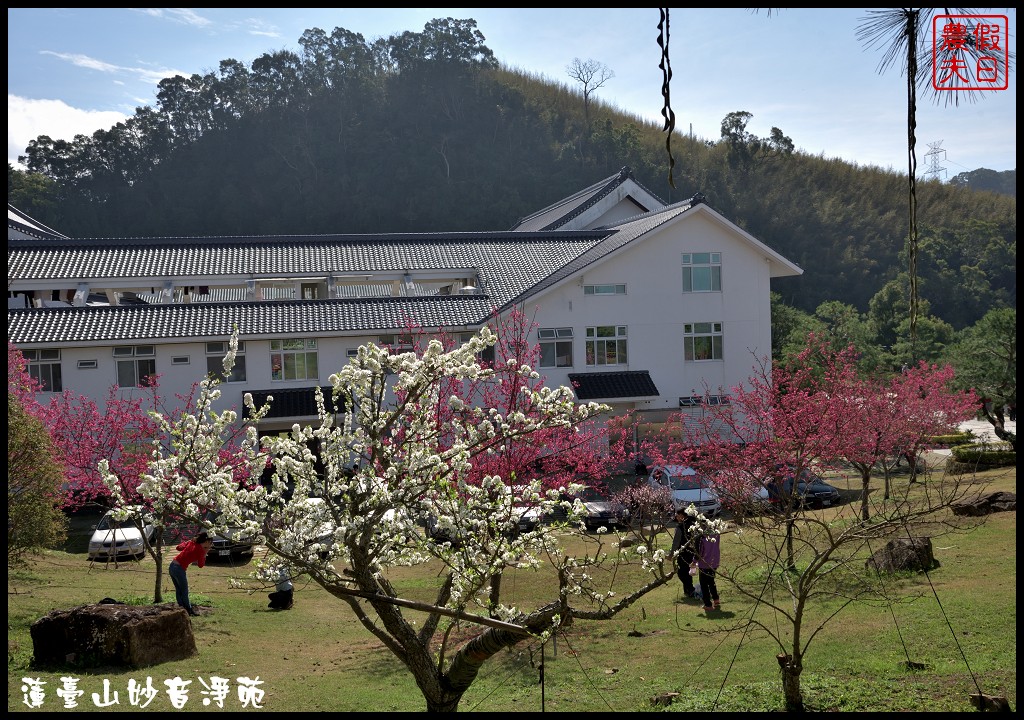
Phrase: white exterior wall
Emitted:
{"points": [[179, 378], [655, 308]]}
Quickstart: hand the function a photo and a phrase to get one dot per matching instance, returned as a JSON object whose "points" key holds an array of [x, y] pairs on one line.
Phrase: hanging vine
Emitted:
{"points": [[666, 111]]}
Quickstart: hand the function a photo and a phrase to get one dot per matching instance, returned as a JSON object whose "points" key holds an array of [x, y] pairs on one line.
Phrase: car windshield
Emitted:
{"points": [[687, 482], [591, 494], [107, 523], [211, 516]]}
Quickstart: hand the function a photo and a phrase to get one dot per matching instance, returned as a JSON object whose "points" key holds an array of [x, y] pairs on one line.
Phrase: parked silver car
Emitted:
{"points": [[118, 540], [687, 488], [599, 509]]}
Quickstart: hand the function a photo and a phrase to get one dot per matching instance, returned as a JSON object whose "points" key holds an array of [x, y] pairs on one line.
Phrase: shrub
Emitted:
{"points": [[987, 454], [961, 438]]}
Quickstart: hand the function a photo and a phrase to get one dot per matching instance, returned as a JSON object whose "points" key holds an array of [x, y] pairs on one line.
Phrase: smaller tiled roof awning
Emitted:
{"points": [[295, 402], [613, 385]]}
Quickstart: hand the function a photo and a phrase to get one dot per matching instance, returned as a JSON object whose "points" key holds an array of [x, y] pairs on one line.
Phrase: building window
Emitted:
{"points": [[555, 347], [702, 341], [293, 360], [44, 368], [215, 352], [313, 290], [135, 363], [702, 272], [485, 356], [396, 345], [88, 364], [606, 345], [604, 289], [698, 400], [401, 343]]}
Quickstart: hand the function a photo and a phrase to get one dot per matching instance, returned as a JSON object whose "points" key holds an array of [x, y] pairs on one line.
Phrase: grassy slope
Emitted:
{"points": [[316, 658]]}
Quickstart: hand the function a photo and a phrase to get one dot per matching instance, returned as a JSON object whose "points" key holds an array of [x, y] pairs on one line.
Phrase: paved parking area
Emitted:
{"points": [[983, 429]]}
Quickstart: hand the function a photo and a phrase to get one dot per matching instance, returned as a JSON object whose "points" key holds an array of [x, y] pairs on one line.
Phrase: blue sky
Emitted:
{"points": [[74, 71]]}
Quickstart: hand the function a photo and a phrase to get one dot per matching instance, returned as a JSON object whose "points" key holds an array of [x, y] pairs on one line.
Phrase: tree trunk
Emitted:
{"points": [[158, 557], [468, 660], [912, 462], [466, 663], [791, 670], [790, 552], [865, 481], [448, 703], [495, 596]]}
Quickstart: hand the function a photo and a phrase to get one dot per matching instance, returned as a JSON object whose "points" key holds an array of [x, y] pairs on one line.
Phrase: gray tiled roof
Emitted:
{"points": [[557, 215], [186, 322], [507, 262], [626, 232], [21, 222], [511, 267]]}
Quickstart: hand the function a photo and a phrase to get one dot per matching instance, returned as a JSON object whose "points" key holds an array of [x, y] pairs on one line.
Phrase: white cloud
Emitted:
{"points": [[144, 74], [183, 16], [83, 61], [28, 119]]}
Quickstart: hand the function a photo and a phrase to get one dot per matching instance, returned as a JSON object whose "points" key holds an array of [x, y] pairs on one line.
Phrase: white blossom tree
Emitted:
{"points": [[198, 457], [402, 448]]}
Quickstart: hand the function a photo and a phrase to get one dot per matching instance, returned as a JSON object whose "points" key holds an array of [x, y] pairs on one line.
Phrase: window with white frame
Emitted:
{"points": [[135, 363], [702, 341], [400, 343], [44, 368], [612, 289], [294, 360], [606, 345], [702, 272], [215, 353], [555, 347]]}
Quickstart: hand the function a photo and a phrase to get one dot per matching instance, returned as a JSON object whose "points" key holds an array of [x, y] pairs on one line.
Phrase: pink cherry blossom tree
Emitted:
{"points": [[106, 451], [816, 414], [84, 431], [895, 417]]}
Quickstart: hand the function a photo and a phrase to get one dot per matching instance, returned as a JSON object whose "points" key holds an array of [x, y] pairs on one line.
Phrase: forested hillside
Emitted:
{"points": [[426, 132]]}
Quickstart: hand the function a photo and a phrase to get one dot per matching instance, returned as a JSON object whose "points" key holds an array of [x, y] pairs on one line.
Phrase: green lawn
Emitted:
{"points": [[958, 624]]}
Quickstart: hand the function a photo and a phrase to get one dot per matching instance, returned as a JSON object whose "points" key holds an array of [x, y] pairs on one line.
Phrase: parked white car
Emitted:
{"points": [[687, 488], [118, 540]]}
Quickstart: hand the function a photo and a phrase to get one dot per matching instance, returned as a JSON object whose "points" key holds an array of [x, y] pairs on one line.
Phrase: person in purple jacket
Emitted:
{"points": [[709, 552]]}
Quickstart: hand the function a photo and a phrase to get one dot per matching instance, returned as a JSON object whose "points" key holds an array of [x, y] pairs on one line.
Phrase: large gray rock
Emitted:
{"points": [[113, 634], [987, 504], [904, 554]]}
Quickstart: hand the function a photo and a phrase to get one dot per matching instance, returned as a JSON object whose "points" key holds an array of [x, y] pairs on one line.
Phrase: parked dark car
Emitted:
{"points": [[811, 491], [231, 544]]}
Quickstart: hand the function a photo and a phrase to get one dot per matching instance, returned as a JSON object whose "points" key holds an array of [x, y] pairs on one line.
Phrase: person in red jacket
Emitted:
{"points": [[191, 551]]}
